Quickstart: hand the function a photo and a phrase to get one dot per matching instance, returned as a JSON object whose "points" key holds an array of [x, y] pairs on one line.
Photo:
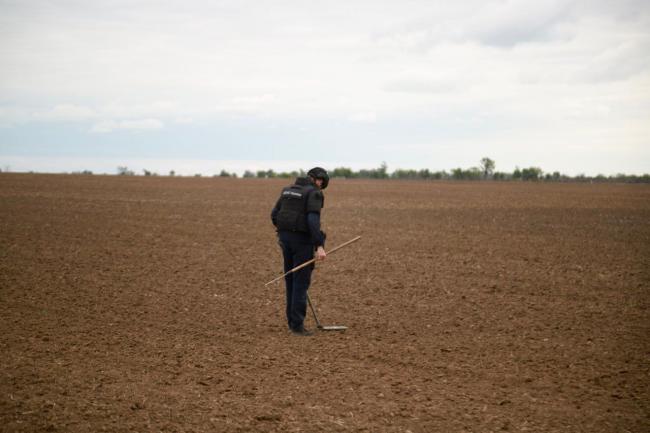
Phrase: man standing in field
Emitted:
{"points": [[296, 217]]}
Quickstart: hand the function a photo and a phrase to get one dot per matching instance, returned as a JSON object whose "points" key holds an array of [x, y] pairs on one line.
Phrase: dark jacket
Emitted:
{"points": [[298, 210]]}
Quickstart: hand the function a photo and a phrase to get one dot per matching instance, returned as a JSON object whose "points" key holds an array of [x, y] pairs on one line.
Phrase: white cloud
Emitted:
{"points": [[507, 24], [137, 61], [364, 117], [618, 62], [245, 105], [105, 126], [67, 113], [503, 65], [154, 108], [420, 85]]}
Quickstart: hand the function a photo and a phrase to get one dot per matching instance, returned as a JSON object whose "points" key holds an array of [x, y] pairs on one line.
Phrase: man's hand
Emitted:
{"points": [[320, 253]]}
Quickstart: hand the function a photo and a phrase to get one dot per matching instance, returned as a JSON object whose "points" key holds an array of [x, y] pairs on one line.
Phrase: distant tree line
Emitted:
{"points": [[271, 174], [484, 171]]}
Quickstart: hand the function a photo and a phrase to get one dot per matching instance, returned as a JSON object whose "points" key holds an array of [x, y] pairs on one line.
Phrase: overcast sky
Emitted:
{"points": [[200, 86]]}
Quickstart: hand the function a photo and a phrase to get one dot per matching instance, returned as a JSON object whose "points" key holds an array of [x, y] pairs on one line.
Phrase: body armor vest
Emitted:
{"points": [[292, 215]]}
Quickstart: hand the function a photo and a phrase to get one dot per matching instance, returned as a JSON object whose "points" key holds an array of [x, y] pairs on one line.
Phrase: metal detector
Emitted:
{"points": [[321, 327]]}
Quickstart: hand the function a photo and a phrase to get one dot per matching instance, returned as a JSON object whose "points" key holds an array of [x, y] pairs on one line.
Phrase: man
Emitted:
{"points": [[296, 217]]}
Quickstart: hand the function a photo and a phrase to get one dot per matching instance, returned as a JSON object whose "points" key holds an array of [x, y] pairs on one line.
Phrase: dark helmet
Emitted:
{"points": [[320, 173]]}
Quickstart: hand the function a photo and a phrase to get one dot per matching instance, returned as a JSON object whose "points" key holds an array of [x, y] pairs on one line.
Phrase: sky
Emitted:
{"points": [[201, 86]]}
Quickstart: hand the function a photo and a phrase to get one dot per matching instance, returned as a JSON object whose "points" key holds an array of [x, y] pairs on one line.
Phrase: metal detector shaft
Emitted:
{"points": [[321, 327], [309, 262], [313, 312]]}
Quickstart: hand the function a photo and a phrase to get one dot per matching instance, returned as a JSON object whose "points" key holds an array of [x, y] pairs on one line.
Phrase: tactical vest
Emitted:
{"points": [[292, 215]]}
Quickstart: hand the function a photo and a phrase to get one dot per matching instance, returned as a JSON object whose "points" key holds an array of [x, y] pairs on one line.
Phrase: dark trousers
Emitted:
{"points": [[296, 250]]}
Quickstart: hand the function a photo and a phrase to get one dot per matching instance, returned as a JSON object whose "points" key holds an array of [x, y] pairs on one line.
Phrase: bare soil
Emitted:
{"points": [[138, 304]]}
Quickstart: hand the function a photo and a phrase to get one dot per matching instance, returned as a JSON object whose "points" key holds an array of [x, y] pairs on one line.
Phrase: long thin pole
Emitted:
{"points": [[309, 262], [313, 312]]}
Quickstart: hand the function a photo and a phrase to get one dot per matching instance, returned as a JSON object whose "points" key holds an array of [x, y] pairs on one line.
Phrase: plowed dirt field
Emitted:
{"points": [[138, 304]]}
